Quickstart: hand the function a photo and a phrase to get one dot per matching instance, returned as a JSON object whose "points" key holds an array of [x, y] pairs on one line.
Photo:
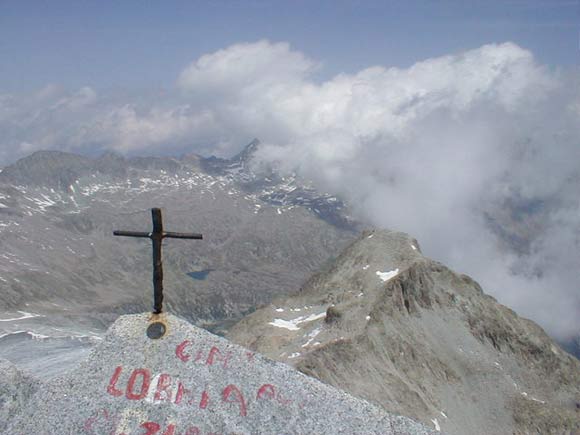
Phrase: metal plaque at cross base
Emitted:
{"points": [[157, 236]]}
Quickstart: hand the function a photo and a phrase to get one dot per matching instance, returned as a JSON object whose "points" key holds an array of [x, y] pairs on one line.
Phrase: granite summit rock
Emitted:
{"points": [[189, 382]]}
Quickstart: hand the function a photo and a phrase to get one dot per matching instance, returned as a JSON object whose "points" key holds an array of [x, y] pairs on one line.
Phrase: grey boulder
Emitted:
{"points": [[191, 382]]}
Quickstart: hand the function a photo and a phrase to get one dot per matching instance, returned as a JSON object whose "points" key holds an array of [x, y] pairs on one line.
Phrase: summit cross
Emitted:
{"points": [[157, 236]]}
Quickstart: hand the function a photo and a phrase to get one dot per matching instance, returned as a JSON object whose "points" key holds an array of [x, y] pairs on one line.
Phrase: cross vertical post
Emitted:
{"points": [[157, 237]]}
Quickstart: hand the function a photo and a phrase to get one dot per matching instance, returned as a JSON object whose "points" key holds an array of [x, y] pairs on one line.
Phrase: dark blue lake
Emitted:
{"points": [[201, 275]]}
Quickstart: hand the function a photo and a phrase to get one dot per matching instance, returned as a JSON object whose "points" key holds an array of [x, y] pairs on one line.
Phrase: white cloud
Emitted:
{"points": [[129, 130], [440, 150], [245, 68], [475, 154]]}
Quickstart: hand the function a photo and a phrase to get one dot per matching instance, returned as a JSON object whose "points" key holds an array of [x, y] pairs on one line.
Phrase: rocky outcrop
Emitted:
{"points": [[188, 381], [394, 327], [16, 389]]}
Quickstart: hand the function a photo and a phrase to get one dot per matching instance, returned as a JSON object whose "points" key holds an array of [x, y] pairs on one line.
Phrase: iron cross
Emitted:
{"points": [[157, 237]]}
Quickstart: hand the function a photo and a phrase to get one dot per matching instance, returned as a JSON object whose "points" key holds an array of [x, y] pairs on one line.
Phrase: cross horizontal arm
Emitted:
{"points": [[183, 235], [157, 236], [164, 235], [132, 234]]}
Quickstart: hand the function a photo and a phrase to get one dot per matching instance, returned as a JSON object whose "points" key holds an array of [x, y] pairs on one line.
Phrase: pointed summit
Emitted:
{"points": [[236, 166], [246, 155]]}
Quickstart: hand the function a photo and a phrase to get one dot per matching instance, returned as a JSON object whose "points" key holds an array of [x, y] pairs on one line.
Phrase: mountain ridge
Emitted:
{"points": [[403, 331], [60, 263], [264, 234], [42, 167]]}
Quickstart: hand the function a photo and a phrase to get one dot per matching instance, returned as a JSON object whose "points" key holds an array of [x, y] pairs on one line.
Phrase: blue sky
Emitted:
{"points": [[134, 45]]}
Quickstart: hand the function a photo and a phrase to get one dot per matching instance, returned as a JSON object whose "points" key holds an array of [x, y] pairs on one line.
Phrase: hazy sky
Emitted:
{"points": [[137, 44], [458, 122]]}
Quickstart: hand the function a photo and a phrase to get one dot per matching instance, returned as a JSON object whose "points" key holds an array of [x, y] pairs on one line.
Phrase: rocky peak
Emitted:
{"points": [[399, 329], [369, 262], [246, 155], [237, 165]]}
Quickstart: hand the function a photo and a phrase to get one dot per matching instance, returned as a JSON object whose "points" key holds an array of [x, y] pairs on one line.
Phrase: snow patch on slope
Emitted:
{"points": [[292, 325], [385, 276]]}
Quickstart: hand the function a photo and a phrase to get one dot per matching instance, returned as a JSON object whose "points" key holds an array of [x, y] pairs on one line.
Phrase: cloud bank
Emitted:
{"points": [[476, 154]]}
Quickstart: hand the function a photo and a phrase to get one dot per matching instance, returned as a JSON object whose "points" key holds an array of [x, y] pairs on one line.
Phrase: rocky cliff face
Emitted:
{"points": [[391, 326]]}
